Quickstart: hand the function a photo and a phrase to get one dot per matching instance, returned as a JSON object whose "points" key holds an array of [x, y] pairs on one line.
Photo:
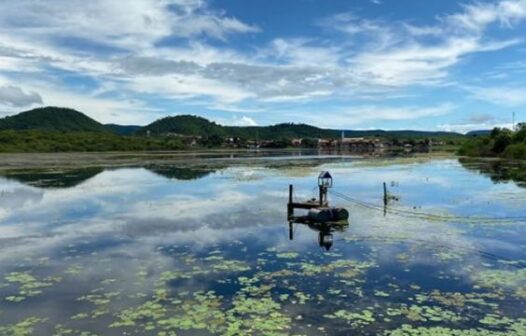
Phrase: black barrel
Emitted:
{"points": [[323, 215]]}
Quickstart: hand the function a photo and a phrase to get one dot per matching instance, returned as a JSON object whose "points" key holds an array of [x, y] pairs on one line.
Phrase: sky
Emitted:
{"points": [[448, 65]]}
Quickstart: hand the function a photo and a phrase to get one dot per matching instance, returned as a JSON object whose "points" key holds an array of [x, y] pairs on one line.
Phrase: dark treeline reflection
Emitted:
{"points": [[499, 171], [53, 179], [178, 173], [69, 178]]}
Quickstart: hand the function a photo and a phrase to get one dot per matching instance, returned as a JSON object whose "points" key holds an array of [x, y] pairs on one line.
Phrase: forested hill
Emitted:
{"points": [[183, 124], [68, 120], [52, 119], [193, 125]]}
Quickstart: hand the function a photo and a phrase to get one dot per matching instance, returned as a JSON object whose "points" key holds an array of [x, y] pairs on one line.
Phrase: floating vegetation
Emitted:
{"points": [[28, 285], [61, 330], [516, 328], [22, 328], [345, 268], [287, 255], [231, 266], [101, 301], [256, 316], [149, 310], [496, 278], [364, 318], [424, 313], [74, 270], [227, 274]]}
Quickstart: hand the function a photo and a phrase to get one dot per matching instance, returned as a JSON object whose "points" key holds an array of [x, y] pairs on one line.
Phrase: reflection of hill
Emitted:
{"points": [[53, 179], [498, 171], [177, 173]]}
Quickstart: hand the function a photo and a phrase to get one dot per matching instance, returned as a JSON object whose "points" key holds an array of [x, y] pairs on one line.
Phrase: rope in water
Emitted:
{"points": [[430, 216]]}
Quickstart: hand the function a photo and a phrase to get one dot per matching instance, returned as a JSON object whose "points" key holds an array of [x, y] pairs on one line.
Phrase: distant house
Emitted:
{"points": [[324, 143], [296, 142], [361, 144]]}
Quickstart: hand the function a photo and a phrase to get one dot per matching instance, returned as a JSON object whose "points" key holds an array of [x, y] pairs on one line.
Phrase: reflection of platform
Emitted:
{"points": [[325, 230]]}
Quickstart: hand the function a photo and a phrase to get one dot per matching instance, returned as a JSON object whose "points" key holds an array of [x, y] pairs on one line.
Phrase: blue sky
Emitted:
{"points": [[356, 64]]}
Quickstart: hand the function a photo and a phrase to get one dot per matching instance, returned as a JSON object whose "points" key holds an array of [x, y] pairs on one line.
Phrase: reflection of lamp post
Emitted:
{"points": [[325, 239], [324, 182]]}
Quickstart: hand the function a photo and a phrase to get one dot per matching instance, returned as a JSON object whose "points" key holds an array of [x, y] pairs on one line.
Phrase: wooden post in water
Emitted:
{"points": [[290, 208], [386, 197]]}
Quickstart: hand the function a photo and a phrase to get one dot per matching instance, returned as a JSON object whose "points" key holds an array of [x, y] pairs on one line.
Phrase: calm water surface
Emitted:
{"points": [[161, 250]]}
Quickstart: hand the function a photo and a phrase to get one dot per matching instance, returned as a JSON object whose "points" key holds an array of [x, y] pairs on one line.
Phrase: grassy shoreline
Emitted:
{"points": [[20, 161]]}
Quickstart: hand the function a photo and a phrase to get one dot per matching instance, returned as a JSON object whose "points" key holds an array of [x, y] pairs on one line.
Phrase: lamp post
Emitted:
{"points": [[324, 183]]}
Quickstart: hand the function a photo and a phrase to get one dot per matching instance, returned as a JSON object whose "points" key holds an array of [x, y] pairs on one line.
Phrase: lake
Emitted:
{"points": [[203, 247]]}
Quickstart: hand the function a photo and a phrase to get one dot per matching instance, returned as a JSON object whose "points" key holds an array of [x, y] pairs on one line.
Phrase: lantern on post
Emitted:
{"points": [[324, 182]]}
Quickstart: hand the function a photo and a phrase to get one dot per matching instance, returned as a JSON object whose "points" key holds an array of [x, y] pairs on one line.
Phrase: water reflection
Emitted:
{"points": [[500, 171], [69, 178], [179, 173], [129, 251], [325, 231], [53, 178]]}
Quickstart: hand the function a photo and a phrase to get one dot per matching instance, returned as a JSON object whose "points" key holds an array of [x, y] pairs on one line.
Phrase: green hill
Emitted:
{"points": [[193, 125], [52, 119], [183, 124], [286, 130], [68, 120]]}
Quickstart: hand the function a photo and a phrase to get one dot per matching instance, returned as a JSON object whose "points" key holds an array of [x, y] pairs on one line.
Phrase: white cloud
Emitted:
{"points": [[466, 127], [104, 110], [188, 86], [129, 25], [242, 121], [353, 116], [13, 96], [367, 113], [123, 47], [477, 16], [501, 95]]}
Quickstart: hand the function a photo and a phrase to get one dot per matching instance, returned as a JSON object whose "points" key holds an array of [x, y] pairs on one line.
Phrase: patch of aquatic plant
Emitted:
{"points": [[361, 319], [424, 313], [287, 255], [231, 266], [74, 270], [495, 320], [515, 328], [256, 316], [100, 300], [459, 300], [201, 312], [22, 328], [449, 255], [28, 284], [148, 311], [61, 330], [496, 278], [345, 268]]}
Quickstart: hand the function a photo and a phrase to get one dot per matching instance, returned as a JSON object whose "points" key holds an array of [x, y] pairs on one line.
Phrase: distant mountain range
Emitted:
{"points": [[68, 120]]}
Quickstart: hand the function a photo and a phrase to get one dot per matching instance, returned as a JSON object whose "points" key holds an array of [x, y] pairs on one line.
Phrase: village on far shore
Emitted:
{"points": [[352, 144]]}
